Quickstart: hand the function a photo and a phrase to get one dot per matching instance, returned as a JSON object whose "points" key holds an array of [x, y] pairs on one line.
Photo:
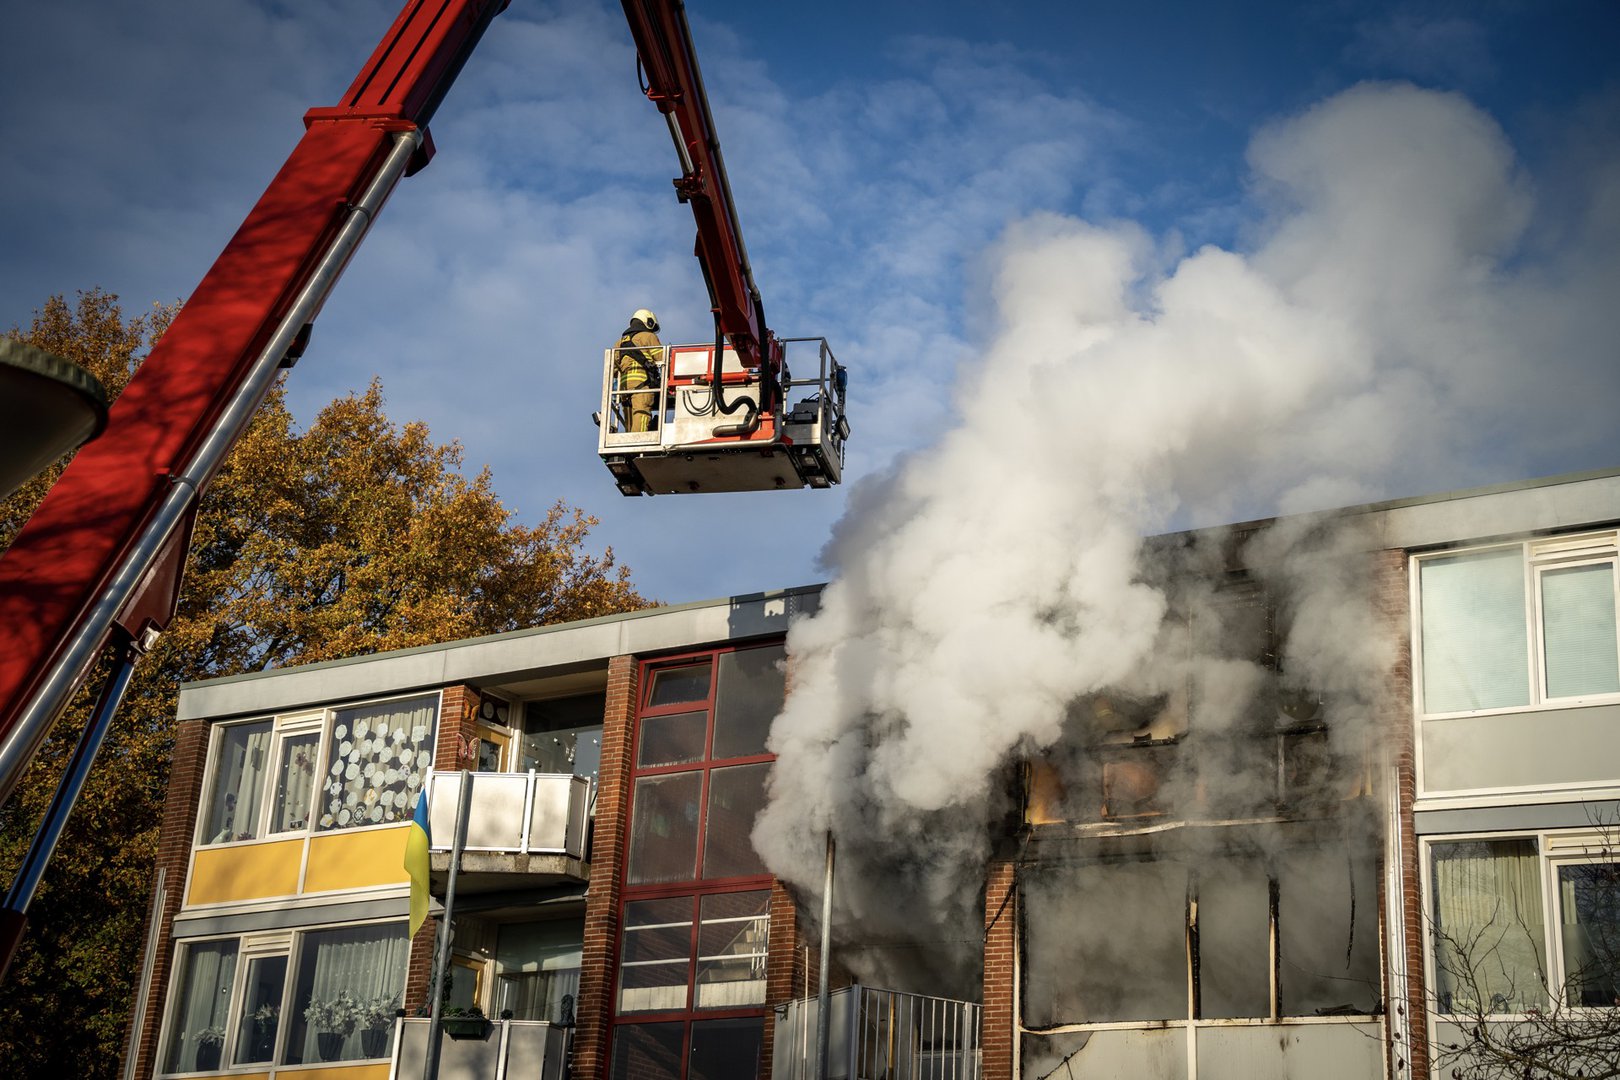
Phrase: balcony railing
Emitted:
{"points": [[508, 1048], [880, 1035], [512, 813]]}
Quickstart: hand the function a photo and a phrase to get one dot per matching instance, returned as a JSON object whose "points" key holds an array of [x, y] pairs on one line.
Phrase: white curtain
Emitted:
{"points": [[1490, 941], [205, 1000], [379, 756], [233, 813], [295, 782], [366, 961]]}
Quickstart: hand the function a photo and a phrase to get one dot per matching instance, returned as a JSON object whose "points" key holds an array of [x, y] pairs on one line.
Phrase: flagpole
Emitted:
{"points": [[441, 960]]}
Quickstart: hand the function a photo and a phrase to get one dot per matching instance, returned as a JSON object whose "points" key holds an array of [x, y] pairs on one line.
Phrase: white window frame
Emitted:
{"points": [[1539, 556], [280, 728], [1554, 848], [285, 726], [252, 946]]}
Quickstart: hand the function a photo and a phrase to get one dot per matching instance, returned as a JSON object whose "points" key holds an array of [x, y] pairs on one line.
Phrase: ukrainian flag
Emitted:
{"points": [[416, 862]]}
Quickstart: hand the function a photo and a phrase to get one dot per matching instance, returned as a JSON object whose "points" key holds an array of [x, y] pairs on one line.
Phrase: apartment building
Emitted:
{"points": [[1249, 864]]}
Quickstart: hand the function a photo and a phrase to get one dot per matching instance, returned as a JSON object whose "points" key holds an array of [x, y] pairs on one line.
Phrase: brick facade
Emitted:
{"points": [[1000, 1020], [1407, 1016], [610, 833], [175, 834]]}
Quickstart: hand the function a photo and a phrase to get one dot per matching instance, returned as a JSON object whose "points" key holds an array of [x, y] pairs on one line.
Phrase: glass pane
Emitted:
{"points": [[239, 767], [647, 1051], [379, 755], [197, 1027], [1577, 610], [1327, 931], [1590, 934], [1106, 941], [674, 685], [350, 982], [1488, 934], [663, 828], [752, 685], [1475, 641], [733, 933], [563, 736], [736, 796], [491, 749], [537, 965], [656, 955], [261, 1010], [672, 740], [1234, 939], [727, 1049], [295, 783]]}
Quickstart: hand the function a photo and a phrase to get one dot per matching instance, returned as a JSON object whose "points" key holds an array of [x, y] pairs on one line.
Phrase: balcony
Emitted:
{"points": [[508, 1048], [877, 1034], [523, 830]]}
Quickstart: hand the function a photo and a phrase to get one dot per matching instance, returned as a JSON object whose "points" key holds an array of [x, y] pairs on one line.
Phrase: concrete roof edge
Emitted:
{"points": [[429, 666]]}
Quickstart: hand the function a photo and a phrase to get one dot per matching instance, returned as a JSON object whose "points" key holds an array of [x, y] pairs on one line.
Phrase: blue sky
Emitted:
{"points": [[880, 154]]}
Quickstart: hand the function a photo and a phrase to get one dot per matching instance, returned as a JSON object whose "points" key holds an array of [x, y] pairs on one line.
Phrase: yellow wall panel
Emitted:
{"points": [[375, 1071], [245, 872], [358, 860]]}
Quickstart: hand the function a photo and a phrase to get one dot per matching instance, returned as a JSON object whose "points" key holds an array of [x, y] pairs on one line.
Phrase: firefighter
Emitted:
{"points": [[637, 366]]}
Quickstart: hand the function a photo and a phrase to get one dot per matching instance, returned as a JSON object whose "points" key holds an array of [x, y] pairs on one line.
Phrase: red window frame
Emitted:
{"points": [[697, 887]]}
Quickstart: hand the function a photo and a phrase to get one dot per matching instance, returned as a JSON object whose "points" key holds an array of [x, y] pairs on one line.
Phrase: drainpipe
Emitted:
{"points": [[441, 963], [823, 997]]}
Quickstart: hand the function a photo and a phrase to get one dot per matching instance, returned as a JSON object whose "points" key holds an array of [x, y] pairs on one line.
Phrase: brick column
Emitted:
{"points": [[785, 964], [175, 833], [610, 835], [998, 1028], [1409, 1014], [457, 744]]}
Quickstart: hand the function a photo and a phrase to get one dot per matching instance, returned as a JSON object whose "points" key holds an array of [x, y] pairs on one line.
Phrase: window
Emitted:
{"points": [[1256, 935], [343, 769], [201, 1006], [1519, 626], [691, 981], [290, 998], [537, 969], [1497, 949], [563, 735], [379, 756]]}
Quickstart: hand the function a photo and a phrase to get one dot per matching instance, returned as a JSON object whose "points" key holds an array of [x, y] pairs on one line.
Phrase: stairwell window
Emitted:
{"points": [[1519, 626]]}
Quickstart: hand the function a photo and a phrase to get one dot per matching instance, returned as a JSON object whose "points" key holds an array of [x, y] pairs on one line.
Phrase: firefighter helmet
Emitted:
{"points": [[646, 318]]}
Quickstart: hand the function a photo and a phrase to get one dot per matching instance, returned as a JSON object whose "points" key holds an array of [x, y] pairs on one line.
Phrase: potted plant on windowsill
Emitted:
{"points": [[334, 1020], [210, 1040], [468, 1023], [377, 1025], [264, 1019]]}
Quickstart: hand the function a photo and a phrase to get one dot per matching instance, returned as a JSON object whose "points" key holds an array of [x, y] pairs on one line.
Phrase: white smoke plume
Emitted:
{"points": [[1398, 312]]}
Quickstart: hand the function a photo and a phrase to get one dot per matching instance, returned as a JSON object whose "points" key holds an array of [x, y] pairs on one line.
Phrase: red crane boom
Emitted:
{"points": [[100, 561]]}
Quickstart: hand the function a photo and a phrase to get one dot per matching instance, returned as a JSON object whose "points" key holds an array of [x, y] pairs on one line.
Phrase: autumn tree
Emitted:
{"points": [[354, 536]]}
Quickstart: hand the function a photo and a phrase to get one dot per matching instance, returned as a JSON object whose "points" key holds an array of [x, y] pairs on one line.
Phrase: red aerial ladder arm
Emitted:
{"points": [[675, 85], [86, 561]]}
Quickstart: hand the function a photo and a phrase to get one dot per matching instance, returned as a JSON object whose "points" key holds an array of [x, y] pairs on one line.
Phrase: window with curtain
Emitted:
{"points": [[295, 782], [1488, 932], [379, 755], [537, 968], [240, 765], [343, 972], [202, 1006]]}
